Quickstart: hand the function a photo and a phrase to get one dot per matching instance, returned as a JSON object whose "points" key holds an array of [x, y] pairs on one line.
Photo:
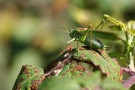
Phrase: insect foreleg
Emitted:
{"points": [[70, 41], [74, 40], [77, 45]]}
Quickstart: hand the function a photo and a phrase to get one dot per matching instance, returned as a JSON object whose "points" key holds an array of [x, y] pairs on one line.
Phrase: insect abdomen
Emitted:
{"points": [[96, 44]]}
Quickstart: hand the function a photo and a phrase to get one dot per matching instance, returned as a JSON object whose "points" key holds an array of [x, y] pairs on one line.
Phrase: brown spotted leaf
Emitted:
{"points": [[100, 59], [74, 69], [29, 78]]}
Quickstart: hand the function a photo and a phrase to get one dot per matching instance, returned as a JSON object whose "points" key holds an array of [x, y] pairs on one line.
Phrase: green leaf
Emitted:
{"points": [[92, 82], [115, 28], [59, 83], [109, 84], [113, 54], [29, 78], [74, 83], [89, 82], [100, 59]]}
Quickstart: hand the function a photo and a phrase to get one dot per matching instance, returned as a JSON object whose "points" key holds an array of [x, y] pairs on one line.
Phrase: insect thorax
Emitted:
{"points": [[75, 34]]}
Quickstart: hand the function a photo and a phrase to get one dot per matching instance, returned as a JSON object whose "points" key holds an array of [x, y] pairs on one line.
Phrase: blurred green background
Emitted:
{"points": [[21, 21]]}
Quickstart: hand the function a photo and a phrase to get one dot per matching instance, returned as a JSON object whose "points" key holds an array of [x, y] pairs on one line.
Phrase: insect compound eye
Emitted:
{"points": [[74, 34]]}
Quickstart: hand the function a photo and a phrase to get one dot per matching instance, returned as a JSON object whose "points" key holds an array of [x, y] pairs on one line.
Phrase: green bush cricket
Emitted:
{"points": [[81, 34], [89, 36]]}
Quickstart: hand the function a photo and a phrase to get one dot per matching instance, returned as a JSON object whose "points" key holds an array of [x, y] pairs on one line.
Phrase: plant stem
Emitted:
{"points": [[129, 51], [127, 47]]}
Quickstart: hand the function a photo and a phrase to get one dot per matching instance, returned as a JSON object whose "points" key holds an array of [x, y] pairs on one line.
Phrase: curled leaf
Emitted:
{"points": [[100, 59], [29, 78]]}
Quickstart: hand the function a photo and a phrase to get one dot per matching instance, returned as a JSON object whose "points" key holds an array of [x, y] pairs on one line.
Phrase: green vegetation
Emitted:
{"points": [[69, 66]]}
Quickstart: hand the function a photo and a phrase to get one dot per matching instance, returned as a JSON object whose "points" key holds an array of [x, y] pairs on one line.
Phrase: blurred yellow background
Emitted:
{"points": [[21, 21]]}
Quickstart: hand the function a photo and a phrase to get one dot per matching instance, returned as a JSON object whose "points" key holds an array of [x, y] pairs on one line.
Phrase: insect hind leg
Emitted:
{"points": [[90, 27], [100, 24]]}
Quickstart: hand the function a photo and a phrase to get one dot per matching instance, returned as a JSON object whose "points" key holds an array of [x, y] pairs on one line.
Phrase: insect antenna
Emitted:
{"points": [[65, 26], [48, 29]]}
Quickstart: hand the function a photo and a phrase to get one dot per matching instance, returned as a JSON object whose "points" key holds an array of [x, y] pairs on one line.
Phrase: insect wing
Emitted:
{"points": [[102, 34]]}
